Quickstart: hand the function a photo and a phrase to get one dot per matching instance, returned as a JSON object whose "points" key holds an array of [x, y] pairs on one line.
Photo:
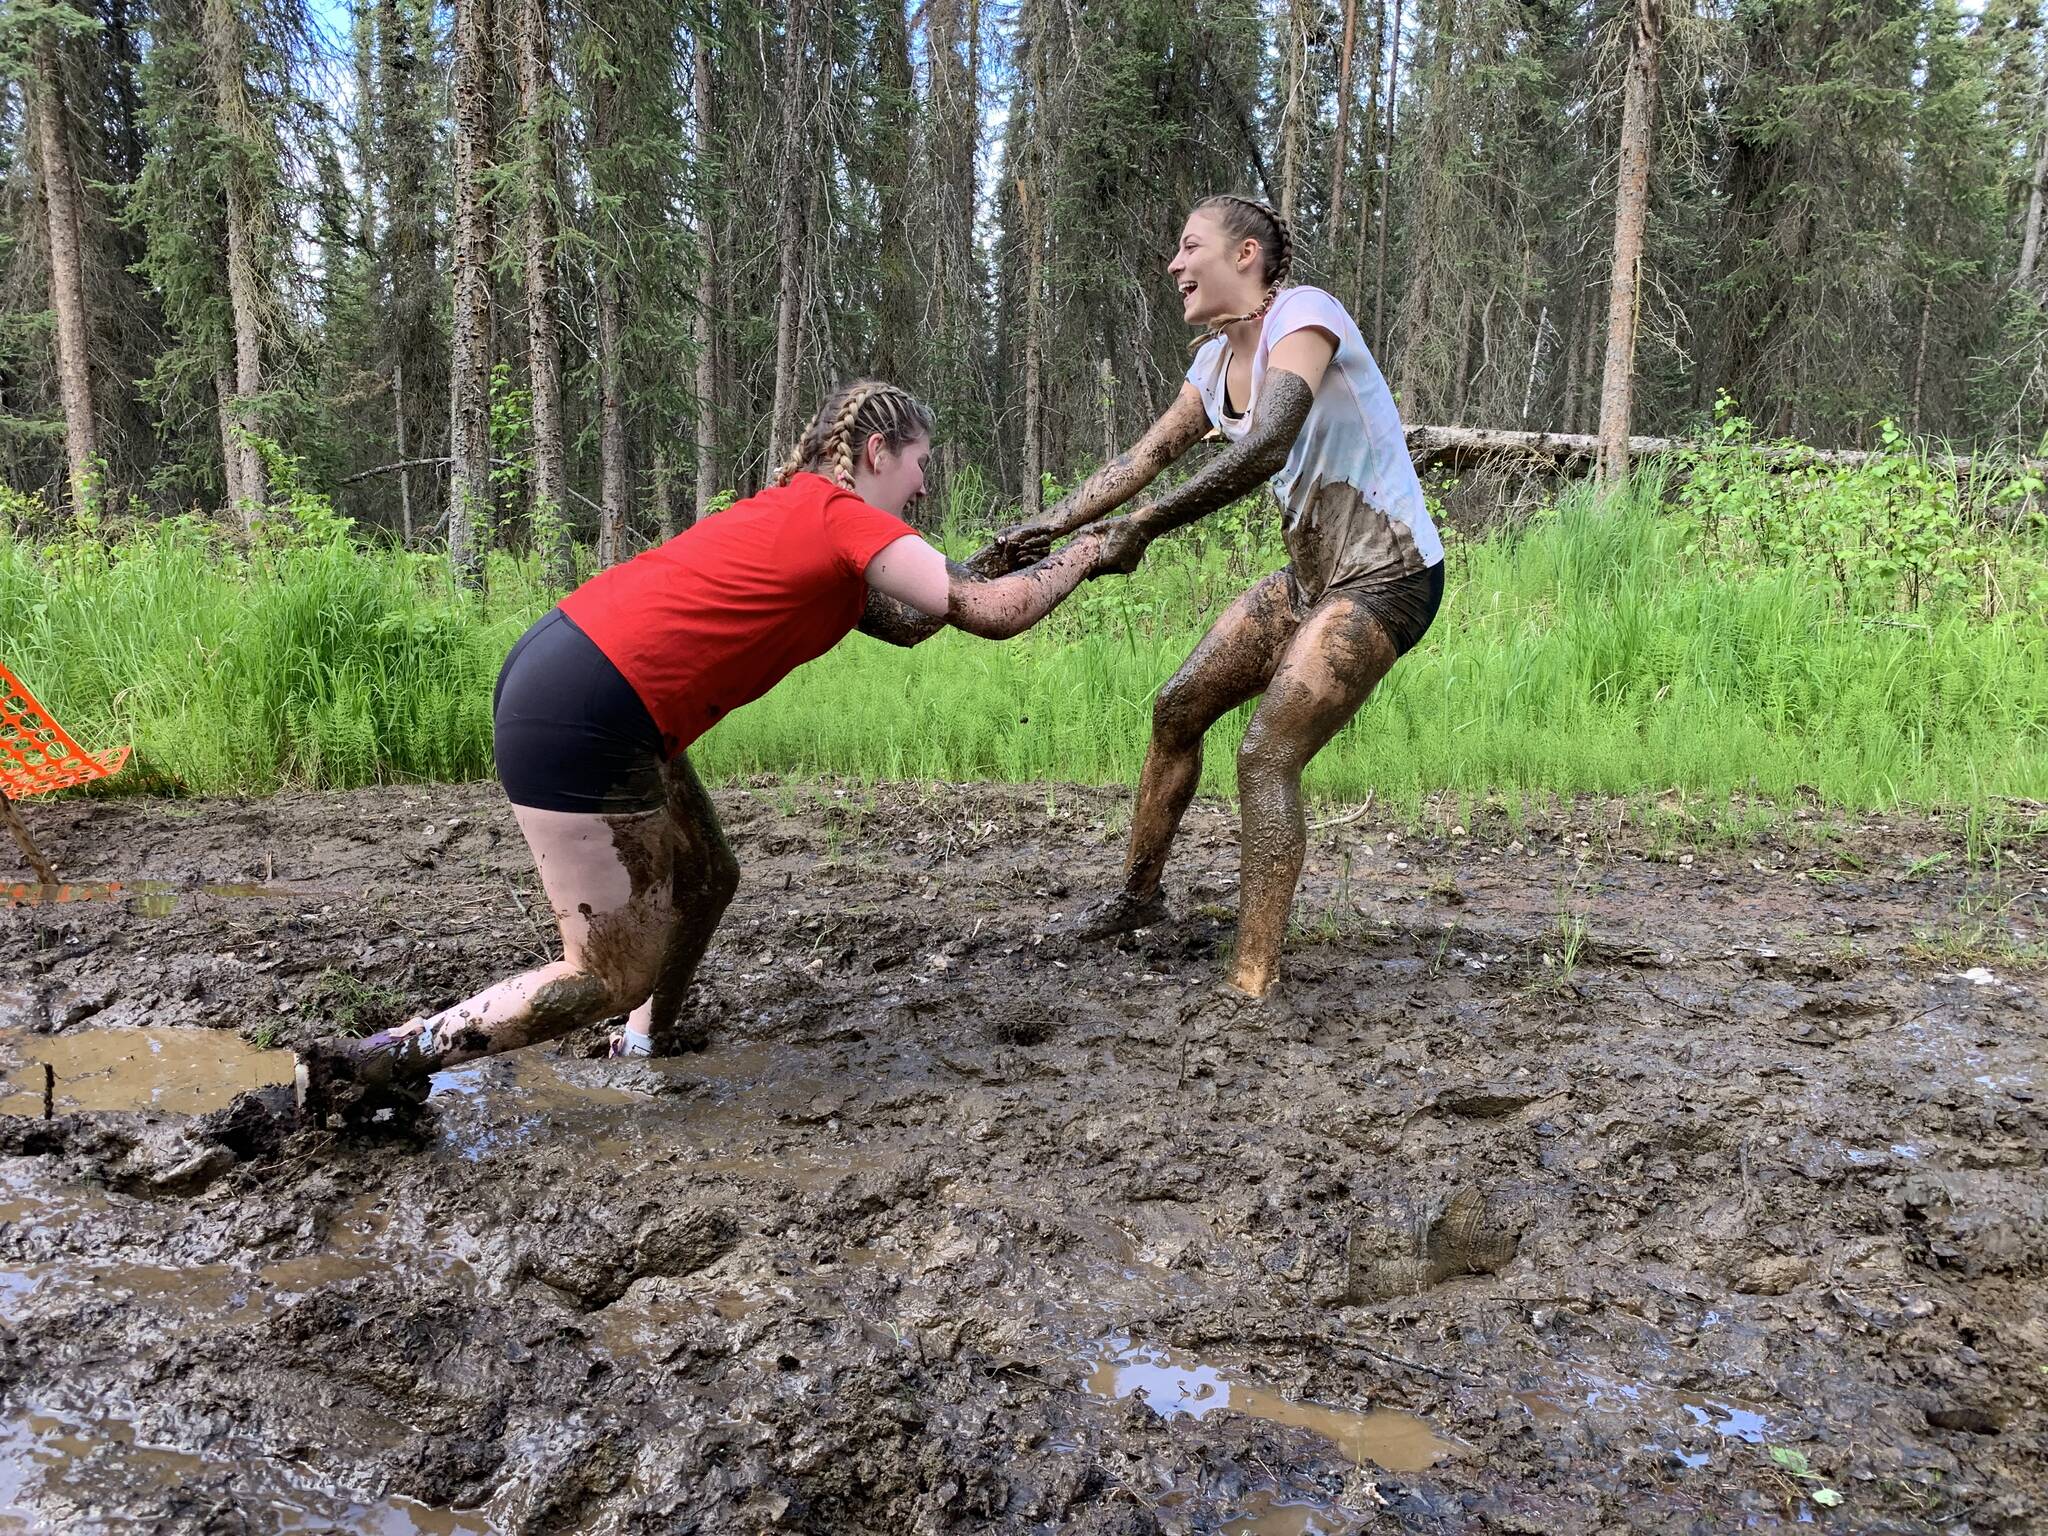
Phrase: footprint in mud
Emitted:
{"points": [[1408, 1242]]}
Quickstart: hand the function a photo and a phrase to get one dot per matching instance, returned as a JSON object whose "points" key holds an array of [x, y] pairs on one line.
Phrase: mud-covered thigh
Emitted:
{"points": [[1329, 668], [1232, 662]]}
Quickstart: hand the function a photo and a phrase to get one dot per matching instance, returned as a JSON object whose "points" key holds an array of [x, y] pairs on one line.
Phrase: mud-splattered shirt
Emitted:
{"points": [[1354, 510], [726, 609]]}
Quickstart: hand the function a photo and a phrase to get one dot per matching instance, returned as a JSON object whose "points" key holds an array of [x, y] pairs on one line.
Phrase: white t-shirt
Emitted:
{"points": [[1354, 510]]}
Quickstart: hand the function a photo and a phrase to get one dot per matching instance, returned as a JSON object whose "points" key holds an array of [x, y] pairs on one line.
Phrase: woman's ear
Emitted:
{"points": [[871, 453]]}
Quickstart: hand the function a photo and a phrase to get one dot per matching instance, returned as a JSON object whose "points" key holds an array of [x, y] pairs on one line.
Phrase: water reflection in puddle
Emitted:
{"points": [[1173, 1385], [504, 1102], [177, 1071], [57, 1461], [152, 898], [1265, 1515], [1585, 1394]]}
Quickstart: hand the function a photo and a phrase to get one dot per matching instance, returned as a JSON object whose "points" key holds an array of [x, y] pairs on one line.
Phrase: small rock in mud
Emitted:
{"points": [[1408, 1242], [1773, 1275]]}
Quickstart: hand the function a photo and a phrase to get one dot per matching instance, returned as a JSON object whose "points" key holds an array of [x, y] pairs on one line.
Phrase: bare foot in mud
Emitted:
{"points": [[1121, 913]]}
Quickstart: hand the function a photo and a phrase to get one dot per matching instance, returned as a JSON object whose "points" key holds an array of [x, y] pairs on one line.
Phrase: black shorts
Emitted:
{"points": [[1404, 608], [572, 735]]}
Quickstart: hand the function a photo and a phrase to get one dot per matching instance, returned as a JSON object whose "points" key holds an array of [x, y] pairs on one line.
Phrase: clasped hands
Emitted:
{"points": [[1120, 545]]}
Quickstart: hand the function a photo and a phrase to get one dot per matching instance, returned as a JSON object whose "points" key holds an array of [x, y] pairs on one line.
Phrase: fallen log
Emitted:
{"points": [[1460, 447]]}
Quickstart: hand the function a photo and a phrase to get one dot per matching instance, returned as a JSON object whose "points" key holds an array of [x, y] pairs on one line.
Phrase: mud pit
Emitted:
{"points": [[1577, 1179]]}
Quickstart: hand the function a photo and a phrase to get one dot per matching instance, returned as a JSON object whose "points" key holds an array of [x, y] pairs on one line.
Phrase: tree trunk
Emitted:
{"points": [[1461, 357], [1631, 208], [1292, 129], [611, 423], [469, 477], [230, 459], [1535, 358], [664, 497], [612, 445], [1368, 169], [1574, 366], [123, 61], [404, 453], [1031, 190], [890, 128], [1335, 219], [1457, 447], [409, 276], [238, 126], [543, 298], [1439, 135], [1920, 359], [363, 44], [61, 198], [790, 159], [1105, 391], [2030, 250], [1379, 298], [707, 288], [1587, 402]]}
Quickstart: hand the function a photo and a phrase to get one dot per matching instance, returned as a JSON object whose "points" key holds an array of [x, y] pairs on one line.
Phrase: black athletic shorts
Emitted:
{"points": [[1404, 608], [572, 735]]}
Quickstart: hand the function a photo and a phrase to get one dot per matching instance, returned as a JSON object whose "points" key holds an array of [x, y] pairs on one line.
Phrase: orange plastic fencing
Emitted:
{"points": [[36, 754]]}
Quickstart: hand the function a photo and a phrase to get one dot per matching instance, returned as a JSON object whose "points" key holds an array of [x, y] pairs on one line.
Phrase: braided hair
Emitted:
{"points": [[1246, 218], [852, 414]]}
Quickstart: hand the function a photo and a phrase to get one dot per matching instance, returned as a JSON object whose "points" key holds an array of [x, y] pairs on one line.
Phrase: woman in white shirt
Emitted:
{"points": [[1283, 375]]}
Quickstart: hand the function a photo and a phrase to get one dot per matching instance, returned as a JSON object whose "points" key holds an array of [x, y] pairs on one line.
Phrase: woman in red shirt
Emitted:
{"points": [[598, 702]]}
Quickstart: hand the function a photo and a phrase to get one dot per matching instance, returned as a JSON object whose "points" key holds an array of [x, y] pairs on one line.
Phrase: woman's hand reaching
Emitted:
{"points": [[1123, 541]]}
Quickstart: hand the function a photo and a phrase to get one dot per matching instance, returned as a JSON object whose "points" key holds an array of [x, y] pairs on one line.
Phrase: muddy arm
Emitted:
{"points": [[898, 623], [1176, 431], [1284, 401], [910, 582], [996, 610]]}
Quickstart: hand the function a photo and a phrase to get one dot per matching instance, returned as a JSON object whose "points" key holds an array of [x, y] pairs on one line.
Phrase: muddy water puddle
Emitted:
{"points": [[176, 1071], [153, 898], [93, 1469], [1269, 1516], [1686, 1427], [1174, 1385]]}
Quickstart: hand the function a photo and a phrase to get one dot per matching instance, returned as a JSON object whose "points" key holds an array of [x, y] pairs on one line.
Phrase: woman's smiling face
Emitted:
{"points": [[1217, 276]]}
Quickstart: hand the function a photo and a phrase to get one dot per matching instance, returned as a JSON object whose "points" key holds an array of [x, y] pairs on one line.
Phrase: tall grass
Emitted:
{"points": [[1608, 646]]}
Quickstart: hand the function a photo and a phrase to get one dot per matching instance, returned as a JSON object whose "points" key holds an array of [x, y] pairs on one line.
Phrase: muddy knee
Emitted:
{"points": [[1266, 761], [1179, 717]]}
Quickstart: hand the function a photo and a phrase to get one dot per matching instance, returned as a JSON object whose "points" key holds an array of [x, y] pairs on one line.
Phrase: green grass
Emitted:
{"points": [[1608, 648]]}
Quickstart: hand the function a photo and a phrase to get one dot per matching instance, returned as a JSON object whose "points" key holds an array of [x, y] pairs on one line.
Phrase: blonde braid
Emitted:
{"points": [[837, 448], [1279, 254], [830, 438], [793, 465]]}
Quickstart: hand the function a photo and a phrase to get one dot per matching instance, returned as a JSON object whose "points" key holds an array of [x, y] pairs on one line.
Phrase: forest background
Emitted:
{"points": [[485, 293], [687, 222]]}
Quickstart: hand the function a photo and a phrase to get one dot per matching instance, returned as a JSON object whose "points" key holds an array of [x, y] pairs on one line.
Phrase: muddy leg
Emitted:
{"points": [[1231, 664], [704, 874], [608, 880], [1330, 667]]}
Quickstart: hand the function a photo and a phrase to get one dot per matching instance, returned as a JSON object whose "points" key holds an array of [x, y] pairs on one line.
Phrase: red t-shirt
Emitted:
{"points": [[727, 608]]}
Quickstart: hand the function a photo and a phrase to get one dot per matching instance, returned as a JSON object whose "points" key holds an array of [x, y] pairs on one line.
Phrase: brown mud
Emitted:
{"points": [[1583, 1169]]}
